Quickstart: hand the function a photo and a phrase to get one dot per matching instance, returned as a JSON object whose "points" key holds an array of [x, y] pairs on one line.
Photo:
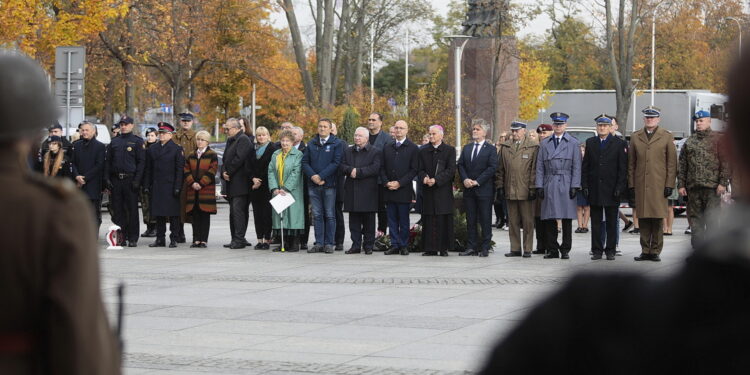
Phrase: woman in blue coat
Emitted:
{"points": [[163, 180]]}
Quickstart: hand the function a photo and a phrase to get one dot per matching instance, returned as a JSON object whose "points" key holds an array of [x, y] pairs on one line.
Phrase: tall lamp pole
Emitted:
{"points": [[457, 54], [739, 26], [372, 72], [653, 50], [406, 75]]}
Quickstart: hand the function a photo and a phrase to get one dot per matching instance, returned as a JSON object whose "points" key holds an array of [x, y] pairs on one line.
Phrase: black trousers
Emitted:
{"points": [[478, 213], [238, 216], [610, 215], [201, 225], [340, 228], [550, 236], [362, 229], [382, 212], [262, 217], [125, 201], [161, 227], [306, 230], [540, 244], [96, 205]]}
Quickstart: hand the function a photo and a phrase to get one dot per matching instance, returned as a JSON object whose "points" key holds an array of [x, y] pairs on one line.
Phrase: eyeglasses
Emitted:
{"points": [[372, 119]]}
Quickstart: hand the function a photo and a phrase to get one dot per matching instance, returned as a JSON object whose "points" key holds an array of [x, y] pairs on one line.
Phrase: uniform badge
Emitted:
{"points": [[130, 149]]}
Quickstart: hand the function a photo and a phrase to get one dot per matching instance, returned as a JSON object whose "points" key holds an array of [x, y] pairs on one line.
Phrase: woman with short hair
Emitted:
{"points": [[285, 177], [260, 196], [200, 174]]}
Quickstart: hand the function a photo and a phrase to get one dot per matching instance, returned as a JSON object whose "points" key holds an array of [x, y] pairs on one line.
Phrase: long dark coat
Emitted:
{"points": [[259, 167], [88, 158], [202, 171], [438, 163], [605, 170], [164, 175], [399, 164], [361, 192], [557, 171], [238, 158]]}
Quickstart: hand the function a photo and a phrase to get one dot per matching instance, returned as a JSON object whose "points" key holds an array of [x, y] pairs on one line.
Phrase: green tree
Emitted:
{"points": [[349, 123], [390, 79]]}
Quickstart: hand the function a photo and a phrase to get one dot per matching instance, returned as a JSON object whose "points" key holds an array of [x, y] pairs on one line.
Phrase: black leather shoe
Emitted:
{"points": [[596, 257], [484, 253], [444, 253], [368, 251], [655, 258], [195, 245], [564, 256], [429, 254], [353, 251], [635, 231], [526, 255], [610, 256], [247, 243], [627, 226], [551, 255], [539, 252], [404, 251], [642, 257], [237, 245], [468, 252], [157, 243], [227, 245], [339, 247], [392, 251], [173, 244], [132, 243], [513, 254], [149, 233]]}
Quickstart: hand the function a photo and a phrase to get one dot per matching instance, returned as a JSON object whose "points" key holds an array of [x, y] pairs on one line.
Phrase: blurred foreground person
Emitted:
{"points": [[690, 322], [53, 320]]}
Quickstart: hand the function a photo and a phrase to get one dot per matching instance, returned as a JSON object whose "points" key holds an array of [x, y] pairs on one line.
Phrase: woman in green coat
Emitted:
{"points": [[285, 177]]}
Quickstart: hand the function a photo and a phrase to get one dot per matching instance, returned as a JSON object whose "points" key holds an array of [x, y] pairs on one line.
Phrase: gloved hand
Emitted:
{"points": [[501, 193], [136, 186], [586, 193], [667, 191], [176, 192], [532, 194], [572, 193], [540, 193]]}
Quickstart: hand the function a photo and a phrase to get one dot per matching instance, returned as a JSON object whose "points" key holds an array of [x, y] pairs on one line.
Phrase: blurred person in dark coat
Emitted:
{"points": [[436, 170], [361, 167], [88, 157], [164, 180], [53, 320]]}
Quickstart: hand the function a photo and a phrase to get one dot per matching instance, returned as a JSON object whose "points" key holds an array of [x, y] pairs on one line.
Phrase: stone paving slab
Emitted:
{"points": [[221, 311]]}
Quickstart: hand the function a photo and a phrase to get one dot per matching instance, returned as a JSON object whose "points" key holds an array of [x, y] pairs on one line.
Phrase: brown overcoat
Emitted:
{"points": [[516, 169], [53, 320], [652, 166]]}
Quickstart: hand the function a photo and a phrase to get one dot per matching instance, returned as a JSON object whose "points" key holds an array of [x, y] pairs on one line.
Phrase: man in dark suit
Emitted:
{"points": [[238, 177], [604, 180], [477, 166], [88, 158], [163, 180], [399, 167], [379, 139]]}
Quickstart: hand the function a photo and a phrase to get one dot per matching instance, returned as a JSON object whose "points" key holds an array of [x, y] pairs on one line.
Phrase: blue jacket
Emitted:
{"points": [[323, 159]]}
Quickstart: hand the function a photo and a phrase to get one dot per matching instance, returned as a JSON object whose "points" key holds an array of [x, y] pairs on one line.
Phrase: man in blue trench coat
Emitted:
{"points": [[558, 178]]}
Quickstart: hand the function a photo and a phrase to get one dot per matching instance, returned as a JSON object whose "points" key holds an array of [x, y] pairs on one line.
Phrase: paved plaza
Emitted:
{"points": [[221, 311]]}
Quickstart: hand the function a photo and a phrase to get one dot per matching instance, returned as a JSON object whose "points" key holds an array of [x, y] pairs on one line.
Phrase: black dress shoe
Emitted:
{"points": [[429, 254], [635, 231], [484, 253], [368, 251], [610, 256], [227, 245], [444, 253], [195, 245], [655, 258], [237, 245], [526, 255], [404, 251], [596, 257], [173, 244], [353, 251], [392, 251], [203, 246], [157, 243], [149, 233], [132, 243], [468, 252], [642, 257], [627, 226], [564, 256], [339, 247], [551, 255], [513, 254], [539, 252]]}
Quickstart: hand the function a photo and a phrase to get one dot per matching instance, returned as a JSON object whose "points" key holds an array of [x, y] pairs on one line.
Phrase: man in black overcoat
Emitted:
{"points": [[361, 166], [398, 169], [88, 156], [604, 180], [436, 170], [237, 175], [165, 165]]}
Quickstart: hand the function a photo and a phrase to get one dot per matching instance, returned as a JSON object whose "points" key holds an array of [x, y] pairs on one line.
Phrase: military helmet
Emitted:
{"points": [[26, 103]]}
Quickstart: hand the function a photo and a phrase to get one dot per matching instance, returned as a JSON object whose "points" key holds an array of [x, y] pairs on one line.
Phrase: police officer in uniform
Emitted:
{"points": [[125, 165], [163, 181], [703, 176], [53, 318]]}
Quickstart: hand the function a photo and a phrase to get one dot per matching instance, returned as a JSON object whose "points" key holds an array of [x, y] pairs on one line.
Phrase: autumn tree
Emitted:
{"points": [[532, 83]]}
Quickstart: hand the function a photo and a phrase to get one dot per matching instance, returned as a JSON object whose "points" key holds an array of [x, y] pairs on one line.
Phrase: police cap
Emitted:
{"points": [[559, 118], [186, 116], [26, 103], [515, 125], [651, 111]]}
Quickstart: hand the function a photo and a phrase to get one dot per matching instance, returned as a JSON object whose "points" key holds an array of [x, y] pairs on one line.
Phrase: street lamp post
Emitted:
{"points": [[372, 72], [406, 74], [457, 80], [739, 26], [635, 90], [653, 50]]}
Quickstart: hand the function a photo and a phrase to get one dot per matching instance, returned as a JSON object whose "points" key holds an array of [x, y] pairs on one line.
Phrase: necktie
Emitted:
{"points": [[557, 141], [398, 144], [476, 150]]}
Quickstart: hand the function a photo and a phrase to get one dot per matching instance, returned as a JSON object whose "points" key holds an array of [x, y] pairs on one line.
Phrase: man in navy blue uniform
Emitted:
{"points": [[88, 159], [125, 166], [477, 166], [399, 167], [164, 178]]}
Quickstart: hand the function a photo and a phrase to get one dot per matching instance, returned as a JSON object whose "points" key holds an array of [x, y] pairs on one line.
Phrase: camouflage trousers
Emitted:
{"points": [[700, 202]]}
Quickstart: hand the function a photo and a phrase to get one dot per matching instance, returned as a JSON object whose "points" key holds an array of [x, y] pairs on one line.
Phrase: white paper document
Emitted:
{"points": [[281, 202]]}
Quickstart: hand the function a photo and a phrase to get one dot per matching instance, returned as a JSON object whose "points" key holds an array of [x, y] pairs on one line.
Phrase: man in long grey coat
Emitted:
{"points": [[558, 178]]}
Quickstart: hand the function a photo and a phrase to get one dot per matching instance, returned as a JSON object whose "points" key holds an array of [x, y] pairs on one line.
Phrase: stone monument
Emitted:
{"points": [[490, 66]]}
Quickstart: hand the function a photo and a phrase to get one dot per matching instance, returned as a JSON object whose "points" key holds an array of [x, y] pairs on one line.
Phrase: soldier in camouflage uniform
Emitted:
{"points": [[703, 175]]}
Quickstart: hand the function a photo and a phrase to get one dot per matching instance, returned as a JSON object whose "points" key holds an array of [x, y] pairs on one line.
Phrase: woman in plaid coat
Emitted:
{"points": [[200, 173]]}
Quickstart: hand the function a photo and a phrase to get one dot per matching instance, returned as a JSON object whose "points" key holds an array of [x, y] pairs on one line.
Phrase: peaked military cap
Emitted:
{"points": [[165, 127], [186, 116], [603, 119], [125, 120], [651, 111], [515, 125], [559, 118]]}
